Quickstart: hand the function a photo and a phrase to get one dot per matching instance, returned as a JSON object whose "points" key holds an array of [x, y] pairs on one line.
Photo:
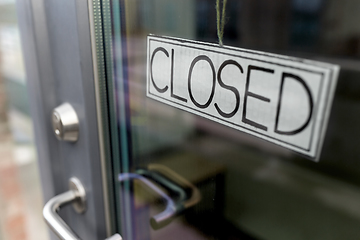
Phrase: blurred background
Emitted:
{"points": [[20, 190]]}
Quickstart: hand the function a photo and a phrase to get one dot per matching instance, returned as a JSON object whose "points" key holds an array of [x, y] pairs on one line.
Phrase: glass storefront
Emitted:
{"points": [[248, 188]]}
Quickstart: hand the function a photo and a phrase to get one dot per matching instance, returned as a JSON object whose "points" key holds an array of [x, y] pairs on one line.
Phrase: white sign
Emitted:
{"points": [[281, 99]]}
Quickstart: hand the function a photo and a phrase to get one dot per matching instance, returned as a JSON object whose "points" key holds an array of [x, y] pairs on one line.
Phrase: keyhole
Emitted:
{"points": [[57, 132]]}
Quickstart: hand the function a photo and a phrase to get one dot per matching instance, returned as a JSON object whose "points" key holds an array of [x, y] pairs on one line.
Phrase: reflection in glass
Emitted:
{"points": [[250, 189]]}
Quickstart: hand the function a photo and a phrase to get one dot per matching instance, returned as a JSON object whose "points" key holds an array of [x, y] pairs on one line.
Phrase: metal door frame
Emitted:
{"points": [[58, 41]]}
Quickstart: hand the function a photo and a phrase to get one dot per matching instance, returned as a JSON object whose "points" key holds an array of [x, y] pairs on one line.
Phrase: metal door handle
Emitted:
{"points": [[165, 216], [173, 183], [77, 196]]}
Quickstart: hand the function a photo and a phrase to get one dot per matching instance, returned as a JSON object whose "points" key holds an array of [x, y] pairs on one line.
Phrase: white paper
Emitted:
{"points": [[281, 99]]}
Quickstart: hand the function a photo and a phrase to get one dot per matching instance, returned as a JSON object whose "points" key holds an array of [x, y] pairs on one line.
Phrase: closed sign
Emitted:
{"points": [[281, 99]]}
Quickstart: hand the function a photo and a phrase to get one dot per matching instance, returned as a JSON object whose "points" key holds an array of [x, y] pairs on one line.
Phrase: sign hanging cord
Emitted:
{"points": [[220, 23]]}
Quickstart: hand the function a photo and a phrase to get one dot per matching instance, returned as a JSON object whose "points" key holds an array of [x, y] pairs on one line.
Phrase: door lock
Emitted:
{"points": [[65, 123]]}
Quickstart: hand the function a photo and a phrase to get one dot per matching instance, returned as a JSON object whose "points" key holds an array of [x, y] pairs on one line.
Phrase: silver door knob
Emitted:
{"points": [[77, 196], [65, 123]]}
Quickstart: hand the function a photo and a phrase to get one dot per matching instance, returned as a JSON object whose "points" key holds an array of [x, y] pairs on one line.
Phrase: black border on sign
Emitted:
{"points": [[182, 43], [271, 55]]}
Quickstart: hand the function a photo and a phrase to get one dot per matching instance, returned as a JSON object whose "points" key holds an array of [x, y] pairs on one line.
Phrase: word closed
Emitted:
{"points": [[281, 99]]}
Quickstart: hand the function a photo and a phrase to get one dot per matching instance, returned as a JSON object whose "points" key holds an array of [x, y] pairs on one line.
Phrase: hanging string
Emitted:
{"points": [[220, 23]]}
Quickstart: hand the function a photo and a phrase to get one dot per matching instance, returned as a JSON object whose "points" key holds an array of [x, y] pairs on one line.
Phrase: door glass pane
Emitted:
{"points": [[238, 186]]}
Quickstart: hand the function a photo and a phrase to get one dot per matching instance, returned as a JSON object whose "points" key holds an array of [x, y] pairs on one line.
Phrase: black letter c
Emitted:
{"points": [[160, 90]]}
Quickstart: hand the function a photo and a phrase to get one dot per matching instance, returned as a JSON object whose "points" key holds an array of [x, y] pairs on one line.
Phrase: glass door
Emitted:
{"points": [[182, 176]]}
